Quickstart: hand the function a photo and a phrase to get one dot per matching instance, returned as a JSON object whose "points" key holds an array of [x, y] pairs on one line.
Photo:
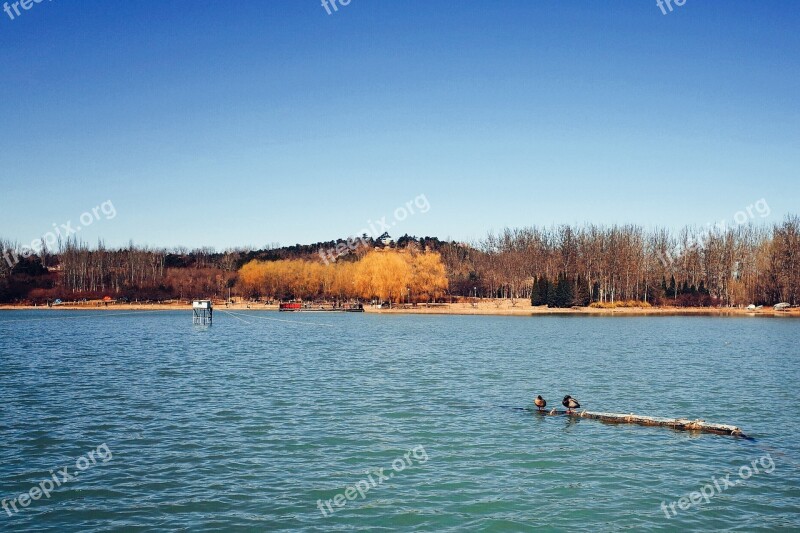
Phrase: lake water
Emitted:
{"points": [[257, 421]]}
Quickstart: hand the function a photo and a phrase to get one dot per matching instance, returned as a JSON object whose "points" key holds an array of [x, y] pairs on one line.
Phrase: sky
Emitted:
{"points": [[230, 124]]}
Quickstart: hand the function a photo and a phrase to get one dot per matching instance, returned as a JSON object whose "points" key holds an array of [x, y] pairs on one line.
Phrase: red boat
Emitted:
{"points": [[290, 306]]}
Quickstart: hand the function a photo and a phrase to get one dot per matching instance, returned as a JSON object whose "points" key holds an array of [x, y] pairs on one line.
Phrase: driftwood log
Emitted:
{"points": [[681, 424]]}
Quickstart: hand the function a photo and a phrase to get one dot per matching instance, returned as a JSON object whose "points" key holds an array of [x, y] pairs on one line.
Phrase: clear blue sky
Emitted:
{"points": [[291, 125]]}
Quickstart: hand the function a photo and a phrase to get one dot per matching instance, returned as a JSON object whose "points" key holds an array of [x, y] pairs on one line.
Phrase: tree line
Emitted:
{"points": [[735, 266], [558, 266]]}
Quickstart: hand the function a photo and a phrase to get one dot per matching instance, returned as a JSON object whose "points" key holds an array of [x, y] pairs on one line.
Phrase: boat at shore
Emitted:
{"points": [[309, 308]]}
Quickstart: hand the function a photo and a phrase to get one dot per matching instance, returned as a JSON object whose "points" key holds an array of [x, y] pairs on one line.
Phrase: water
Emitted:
{"points": [[247, 424]]}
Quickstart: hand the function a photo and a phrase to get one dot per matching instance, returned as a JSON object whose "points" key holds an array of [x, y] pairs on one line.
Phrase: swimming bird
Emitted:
{"points": [[540, 402], [570, 403]]}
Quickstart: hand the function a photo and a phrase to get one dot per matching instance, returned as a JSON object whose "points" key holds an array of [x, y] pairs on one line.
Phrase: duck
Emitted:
{"points": [[540, 402], [570, 403]]}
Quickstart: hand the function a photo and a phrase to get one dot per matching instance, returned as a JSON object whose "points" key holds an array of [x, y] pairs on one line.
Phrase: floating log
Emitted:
{"points": [[680, 424]]}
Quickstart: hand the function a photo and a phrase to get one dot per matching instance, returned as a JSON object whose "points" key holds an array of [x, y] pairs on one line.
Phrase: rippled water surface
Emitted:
{"points": [[247, 425]]}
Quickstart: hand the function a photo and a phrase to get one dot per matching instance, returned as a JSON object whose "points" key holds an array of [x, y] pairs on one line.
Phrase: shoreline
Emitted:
{"points": [[485, 308]]}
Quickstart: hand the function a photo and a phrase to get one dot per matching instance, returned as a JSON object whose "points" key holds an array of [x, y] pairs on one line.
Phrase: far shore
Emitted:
{"points": [[481, 307]]}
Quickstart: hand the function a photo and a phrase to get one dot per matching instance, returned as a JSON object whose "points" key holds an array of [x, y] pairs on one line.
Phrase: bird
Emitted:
{"points": [[540, 402], [570, 403]]}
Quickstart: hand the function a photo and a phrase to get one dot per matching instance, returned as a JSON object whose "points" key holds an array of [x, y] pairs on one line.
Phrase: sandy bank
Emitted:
{"points": [[483, 307]]}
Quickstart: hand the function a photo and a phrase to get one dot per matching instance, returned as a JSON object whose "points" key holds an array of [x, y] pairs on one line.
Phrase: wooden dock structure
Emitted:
{"points": [[680, 424]]}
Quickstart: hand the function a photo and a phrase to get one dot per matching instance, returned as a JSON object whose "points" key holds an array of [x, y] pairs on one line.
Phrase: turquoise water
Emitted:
{"points": [[248, 424]]}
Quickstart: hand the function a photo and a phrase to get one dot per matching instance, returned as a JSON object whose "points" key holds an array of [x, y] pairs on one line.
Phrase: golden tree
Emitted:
{"points": [[428, 276], [385, 275]]}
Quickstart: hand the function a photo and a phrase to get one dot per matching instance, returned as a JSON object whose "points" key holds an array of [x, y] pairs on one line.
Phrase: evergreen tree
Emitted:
{"points": [[582, 296], [552, 296], [563, 292], [536, 293], [541, 291], [702, 289], [570, 291]]}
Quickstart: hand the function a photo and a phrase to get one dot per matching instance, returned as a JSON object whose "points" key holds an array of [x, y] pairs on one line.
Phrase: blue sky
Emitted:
{"points": [[289, 125]]}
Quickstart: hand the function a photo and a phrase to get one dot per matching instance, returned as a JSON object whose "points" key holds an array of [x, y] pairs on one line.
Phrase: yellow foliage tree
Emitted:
{"points": [[389, 275], [429, 277], [385, 275]]}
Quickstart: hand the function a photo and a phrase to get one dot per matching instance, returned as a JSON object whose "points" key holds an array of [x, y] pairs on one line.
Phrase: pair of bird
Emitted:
{"points": [[569, 402]]}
